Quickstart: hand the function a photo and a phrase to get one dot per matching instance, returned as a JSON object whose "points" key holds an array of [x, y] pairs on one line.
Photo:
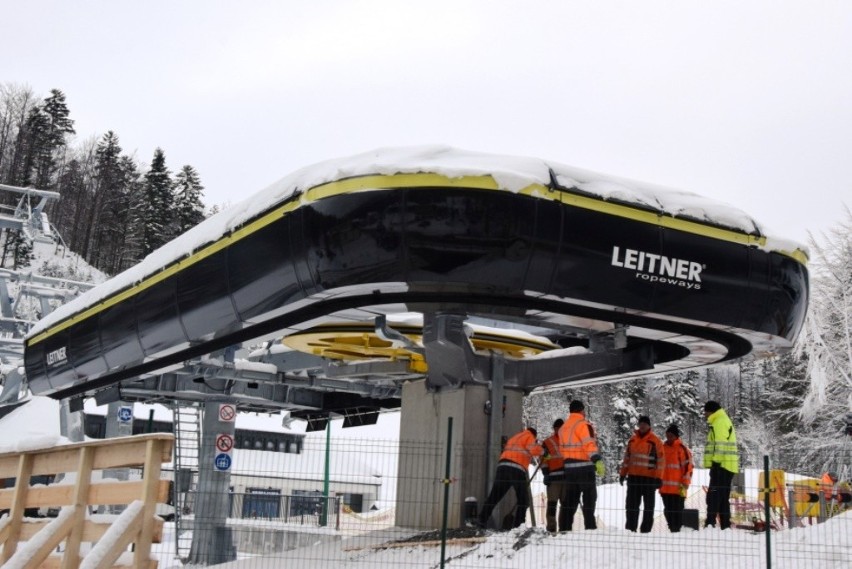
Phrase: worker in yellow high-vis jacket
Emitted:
{"points": [[720, 456]]}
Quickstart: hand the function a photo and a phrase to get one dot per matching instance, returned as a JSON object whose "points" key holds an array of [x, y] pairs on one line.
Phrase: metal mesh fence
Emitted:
{"points": [[282, 510]]}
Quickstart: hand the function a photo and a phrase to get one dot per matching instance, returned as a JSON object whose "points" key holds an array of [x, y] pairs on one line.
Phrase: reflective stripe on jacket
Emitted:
{"points": [[677, 467], [577, 442], [721, 443], [643, 456], [521, 448]]}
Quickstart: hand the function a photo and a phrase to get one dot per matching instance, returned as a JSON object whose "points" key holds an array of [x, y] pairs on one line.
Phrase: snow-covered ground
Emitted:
{"points": [[827, 545], [822, 546], [364, 542]]}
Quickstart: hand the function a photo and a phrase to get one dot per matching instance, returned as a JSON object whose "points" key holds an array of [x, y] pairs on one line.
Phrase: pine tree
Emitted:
{"points": [[189, 209], [786, 384], [157, 216], [58, 126], [45, 132], [679, 393], [120, 248], [16, 104], [827, 341], [108, 182], [17, 249], [626, 401], [69, 214]]}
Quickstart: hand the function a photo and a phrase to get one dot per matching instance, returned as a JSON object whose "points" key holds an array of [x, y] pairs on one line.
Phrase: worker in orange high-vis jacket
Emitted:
{"points": [[677, 476], [513, 473], [582, 461], [554, 475], [642, 466], [829, 485]]}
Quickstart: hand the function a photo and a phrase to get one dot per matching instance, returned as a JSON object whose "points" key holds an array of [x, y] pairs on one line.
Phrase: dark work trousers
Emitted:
{"points": [[673, 510], [640, 490], [579, 484], [508, 475], [719, 496]]}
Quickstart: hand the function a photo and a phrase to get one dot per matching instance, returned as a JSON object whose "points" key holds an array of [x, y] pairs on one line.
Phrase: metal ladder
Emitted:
{"points": [[187, 426]]}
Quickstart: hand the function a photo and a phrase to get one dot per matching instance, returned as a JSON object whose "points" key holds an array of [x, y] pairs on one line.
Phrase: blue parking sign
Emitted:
{"points": [[222, 461]]}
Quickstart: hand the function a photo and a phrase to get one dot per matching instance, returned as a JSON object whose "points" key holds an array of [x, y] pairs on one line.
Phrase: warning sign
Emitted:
{"points": [[224, 442], [227, 412]]}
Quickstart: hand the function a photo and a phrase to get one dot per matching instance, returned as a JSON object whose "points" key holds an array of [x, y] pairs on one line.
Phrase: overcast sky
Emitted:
{"points": [[746, 102]]}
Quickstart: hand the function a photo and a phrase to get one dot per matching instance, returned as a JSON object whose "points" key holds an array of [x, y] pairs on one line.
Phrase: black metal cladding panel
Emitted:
{"points": [[721, 292], [53, 355], [587, 265], [758, 298], [203, 299], [35, 364], [84, 349], [119, 340], [788, 297], [304, 232], [479, 238], [355, 238], [157, 316], [546, 247], [261, 272]]}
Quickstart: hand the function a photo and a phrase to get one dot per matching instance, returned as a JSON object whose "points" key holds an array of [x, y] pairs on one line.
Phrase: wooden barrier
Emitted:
{"points": [[31, 542]]}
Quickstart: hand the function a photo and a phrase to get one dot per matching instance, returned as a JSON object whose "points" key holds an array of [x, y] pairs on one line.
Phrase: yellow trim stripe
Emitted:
{"points": [[382, 182]]}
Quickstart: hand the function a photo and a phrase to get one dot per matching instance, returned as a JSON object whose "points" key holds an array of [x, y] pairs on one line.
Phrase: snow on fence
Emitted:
{"points": [[75, 537]]}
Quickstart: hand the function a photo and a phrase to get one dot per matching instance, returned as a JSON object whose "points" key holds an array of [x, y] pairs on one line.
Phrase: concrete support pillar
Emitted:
{"points": [[71, 423], [422, 453], [118, 423], [212, 541]]}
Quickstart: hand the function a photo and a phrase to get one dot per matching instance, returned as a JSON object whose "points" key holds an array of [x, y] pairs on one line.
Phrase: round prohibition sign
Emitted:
{"points": [[227, 412], [224, 442]]}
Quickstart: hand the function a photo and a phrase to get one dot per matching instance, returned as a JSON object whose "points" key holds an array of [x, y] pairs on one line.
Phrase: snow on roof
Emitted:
{"points": [[512, 173]]}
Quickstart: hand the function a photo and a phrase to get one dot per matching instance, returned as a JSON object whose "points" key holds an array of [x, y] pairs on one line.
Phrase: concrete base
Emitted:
{"points": [[423, 451]]}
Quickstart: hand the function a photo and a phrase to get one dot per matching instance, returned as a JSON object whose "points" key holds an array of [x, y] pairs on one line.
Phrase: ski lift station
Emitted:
{"points": [[445, 282]]}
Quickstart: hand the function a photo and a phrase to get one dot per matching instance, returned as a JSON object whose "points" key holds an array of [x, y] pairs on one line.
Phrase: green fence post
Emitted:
{"points": [[767, 510], [323, 521], [446, 482]]}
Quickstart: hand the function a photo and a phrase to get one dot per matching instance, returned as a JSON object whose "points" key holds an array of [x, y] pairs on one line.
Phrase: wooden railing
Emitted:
{"points": [[32, 542]]}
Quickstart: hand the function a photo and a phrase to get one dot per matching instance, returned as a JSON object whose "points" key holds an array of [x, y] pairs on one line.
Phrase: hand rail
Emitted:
{"points": [[33, 544]]}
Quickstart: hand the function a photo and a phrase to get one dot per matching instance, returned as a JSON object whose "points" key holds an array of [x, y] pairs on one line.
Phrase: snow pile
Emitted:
{"points": [[36, 426]]}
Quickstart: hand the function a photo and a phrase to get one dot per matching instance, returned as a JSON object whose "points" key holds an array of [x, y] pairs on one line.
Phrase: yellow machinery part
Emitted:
{"points": [[359, 342]]}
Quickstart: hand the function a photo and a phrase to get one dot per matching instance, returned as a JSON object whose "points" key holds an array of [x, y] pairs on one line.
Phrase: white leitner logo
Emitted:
{"points": [[57, 356], [659, 268]]}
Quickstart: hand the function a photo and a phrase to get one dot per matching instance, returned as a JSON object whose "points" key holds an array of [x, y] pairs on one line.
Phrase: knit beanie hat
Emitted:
{"points": [[673, 429], [645, 419], [712, 406]]}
